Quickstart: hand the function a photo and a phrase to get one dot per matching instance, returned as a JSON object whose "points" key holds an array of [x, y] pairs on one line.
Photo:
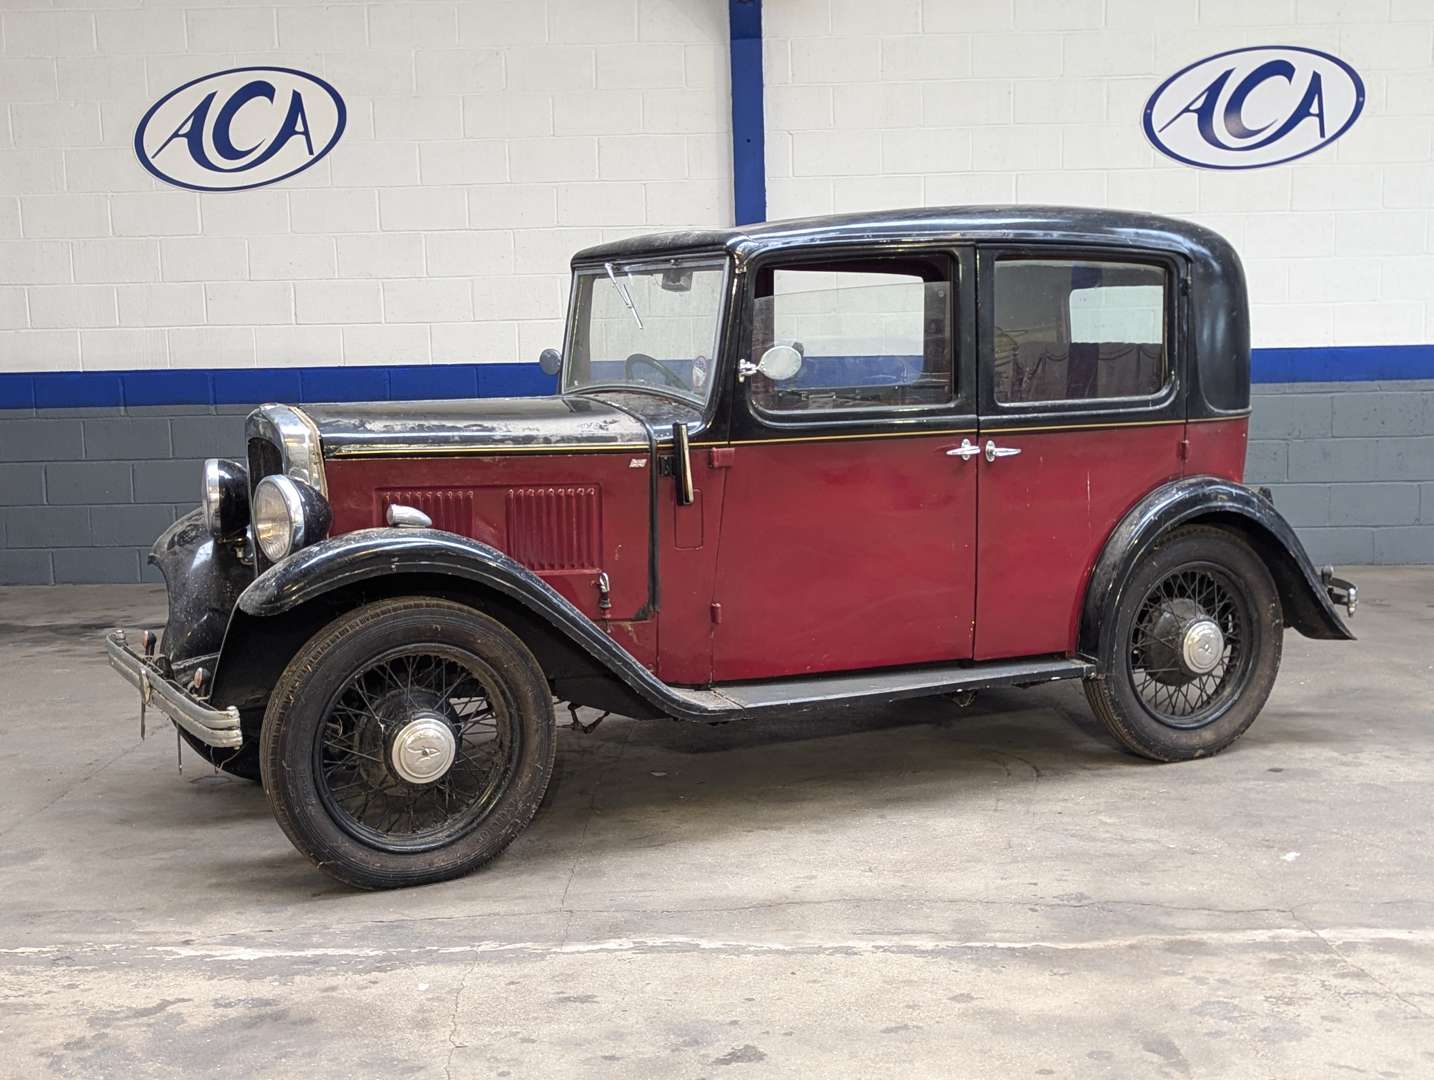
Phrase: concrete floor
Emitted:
{"points": [[912, 891]]}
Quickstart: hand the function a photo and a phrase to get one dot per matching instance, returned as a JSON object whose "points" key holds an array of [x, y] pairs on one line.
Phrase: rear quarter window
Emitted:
{"points": [[1074, 329]]}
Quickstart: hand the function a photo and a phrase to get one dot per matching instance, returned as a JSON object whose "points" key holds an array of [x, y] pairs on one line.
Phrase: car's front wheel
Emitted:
{"points": [[410, 741], [1196, 647]]}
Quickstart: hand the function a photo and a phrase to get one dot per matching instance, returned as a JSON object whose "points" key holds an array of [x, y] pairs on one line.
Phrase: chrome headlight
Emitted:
{"points": [[287, 515], [226, 497]]}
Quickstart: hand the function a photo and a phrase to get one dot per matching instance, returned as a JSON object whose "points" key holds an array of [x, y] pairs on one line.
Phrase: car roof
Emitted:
{"points": [[1070, 224]]}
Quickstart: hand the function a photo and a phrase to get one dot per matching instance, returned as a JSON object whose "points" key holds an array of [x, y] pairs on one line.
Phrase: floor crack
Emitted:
{"points": [[1342, 958], [453, 1043], [592, 812]]}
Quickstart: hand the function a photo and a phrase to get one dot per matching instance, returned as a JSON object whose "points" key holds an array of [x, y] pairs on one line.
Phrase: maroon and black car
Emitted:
{"points": [[789, 467]]}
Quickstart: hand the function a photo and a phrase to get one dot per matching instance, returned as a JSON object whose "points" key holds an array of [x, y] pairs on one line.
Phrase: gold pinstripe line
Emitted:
{"points": [[419, 452]]}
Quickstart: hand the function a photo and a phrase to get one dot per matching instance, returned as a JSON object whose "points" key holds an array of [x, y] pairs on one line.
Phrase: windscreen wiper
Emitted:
{"points": [[622, 292]]}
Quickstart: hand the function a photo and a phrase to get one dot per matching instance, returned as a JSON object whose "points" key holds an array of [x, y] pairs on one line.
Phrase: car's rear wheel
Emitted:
{"points": [[1196, 647], [408, 742]]}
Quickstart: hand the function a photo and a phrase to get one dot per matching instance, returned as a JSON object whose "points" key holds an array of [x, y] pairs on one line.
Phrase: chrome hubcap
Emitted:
{"points": [[424, 749], [1202, 646]]}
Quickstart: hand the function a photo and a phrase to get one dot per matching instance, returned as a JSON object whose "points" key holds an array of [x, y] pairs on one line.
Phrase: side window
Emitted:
{"points": [[866, 334], [1070, 329]]}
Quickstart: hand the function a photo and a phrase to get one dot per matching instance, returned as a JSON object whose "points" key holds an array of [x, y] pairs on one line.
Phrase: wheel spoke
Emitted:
{"points": [[355, 746]]}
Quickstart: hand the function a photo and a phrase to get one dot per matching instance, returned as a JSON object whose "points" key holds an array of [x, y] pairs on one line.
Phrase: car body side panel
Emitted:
{"points": [[687, 562], [1217, 448], [1045, 515], [569, 516], [845, 554]]}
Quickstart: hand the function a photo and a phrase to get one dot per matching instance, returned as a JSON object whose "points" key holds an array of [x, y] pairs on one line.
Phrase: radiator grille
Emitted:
{"points": [[554, 528], [450, 509]]}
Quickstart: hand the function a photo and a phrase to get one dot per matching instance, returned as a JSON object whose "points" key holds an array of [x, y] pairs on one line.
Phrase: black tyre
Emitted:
{"points": [[409, 742], [1196, 647], [243, 762]]}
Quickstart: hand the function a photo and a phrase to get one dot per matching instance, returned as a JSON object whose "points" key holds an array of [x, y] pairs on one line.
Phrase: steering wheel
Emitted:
{"points": [[668, 375]]}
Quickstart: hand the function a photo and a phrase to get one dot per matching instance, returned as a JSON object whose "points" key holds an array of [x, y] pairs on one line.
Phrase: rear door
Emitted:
{"points": [[1081, 413], [848, 528]]}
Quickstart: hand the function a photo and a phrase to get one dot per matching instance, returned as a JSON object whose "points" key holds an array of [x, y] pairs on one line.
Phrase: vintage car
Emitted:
{"points": [[789, 467]]}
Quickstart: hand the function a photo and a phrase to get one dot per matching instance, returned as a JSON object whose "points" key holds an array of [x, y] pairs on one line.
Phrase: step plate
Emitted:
{"points": [[819, 691]]}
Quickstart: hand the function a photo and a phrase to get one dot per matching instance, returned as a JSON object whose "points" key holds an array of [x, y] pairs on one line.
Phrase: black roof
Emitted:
{"points": [[1127, 228], [1218, 339]]}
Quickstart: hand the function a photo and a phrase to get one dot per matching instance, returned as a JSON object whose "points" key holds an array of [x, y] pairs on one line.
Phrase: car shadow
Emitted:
{"points": [[655, 782]]}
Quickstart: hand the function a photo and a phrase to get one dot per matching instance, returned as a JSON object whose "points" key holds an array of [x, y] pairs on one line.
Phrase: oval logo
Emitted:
{"points": [[241, 128], [1248, 108]]}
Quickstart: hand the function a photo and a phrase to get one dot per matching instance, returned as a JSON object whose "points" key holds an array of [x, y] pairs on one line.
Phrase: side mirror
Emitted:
{"points": [[780, 363], [551, 361]]}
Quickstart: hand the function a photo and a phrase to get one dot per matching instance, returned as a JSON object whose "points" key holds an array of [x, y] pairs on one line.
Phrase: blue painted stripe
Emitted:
{"points": [[248, 386], [749, 130], [1342, 363], [425, 382]]}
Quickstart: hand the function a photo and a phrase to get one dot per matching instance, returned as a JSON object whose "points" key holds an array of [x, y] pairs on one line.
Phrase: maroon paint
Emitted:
{"points": [[1217, 448], [356, 487], [844, 555], [687, 562], [1045, 515]]}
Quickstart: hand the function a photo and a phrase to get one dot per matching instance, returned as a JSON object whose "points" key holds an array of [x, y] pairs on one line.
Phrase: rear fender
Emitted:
{"points": [[1206, 500]]}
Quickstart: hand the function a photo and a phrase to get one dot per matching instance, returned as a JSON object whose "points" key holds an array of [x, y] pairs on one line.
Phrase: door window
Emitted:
{"points": [[868, 335], [1072, 329]]}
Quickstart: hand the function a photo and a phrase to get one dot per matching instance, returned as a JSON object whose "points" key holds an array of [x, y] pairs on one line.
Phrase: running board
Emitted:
{"points": [[734, 700]]}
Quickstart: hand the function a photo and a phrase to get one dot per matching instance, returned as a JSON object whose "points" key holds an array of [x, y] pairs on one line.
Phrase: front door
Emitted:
{"points": [[848, 525], [1083, 413]]}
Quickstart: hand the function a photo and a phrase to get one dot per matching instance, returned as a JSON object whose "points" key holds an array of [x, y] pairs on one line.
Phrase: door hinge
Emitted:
{"points": [[720, 457], [716, 612], [1184, 449]]}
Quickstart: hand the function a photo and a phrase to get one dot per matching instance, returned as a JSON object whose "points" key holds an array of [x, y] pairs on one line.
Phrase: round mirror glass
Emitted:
{"points": [[780, 363], [551, 361]]}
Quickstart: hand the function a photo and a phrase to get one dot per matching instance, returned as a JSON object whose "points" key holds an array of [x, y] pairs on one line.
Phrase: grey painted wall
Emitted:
{"points": [[84, 492], [1351, 466]]}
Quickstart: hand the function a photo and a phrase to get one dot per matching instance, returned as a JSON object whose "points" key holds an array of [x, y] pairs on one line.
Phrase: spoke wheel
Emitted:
{"points": [[415, 748], [1190, 648], [1188, 654], [409, 741]]}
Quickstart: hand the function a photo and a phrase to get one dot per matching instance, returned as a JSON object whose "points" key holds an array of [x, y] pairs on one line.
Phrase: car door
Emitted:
{"points": [[1082, 413], [848, 522]]}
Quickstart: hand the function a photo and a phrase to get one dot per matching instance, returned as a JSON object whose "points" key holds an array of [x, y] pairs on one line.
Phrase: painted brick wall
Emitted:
{"points": [[486, 141], [85, 492], [1351, 466], [929, 102]]}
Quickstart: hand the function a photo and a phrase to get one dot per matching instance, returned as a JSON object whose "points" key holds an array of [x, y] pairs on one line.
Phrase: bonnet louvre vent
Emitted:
{"points": [[554, 528], [450, 509]]}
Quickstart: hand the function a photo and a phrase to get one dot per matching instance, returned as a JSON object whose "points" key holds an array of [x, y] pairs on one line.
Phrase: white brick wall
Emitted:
{"points": [[946, 101], [485, 139]]}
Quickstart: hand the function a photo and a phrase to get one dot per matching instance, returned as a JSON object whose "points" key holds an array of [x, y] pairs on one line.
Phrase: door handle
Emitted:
{"points": [[993, 451], [966, 451], [682, 452]]}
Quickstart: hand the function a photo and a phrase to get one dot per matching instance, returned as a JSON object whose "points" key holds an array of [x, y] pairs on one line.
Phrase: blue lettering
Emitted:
{"points": [[223, 139], [1234, 122]]}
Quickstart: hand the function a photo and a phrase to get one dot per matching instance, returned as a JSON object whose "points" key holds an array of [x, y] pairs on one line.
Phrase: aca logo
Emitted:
{"points": [[1248, 108], [239, 129]]}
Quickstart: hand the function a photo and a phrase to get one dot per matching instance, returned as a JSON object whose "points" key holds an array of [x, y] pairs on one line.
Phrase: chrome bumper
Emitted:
{"points": [[216, 727]]}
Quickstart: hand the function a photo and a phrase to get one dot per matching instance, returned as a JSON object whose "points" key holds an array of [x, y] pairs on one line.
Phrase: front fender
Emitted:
{"points": [[383, 553], [1207, 500], [203, 577]]}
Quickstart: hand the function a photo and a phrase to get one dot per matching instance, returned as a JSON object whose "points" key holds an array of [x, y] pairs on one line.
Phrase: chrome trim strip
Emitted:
{"points": [[215, 727], [419, 450]]}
